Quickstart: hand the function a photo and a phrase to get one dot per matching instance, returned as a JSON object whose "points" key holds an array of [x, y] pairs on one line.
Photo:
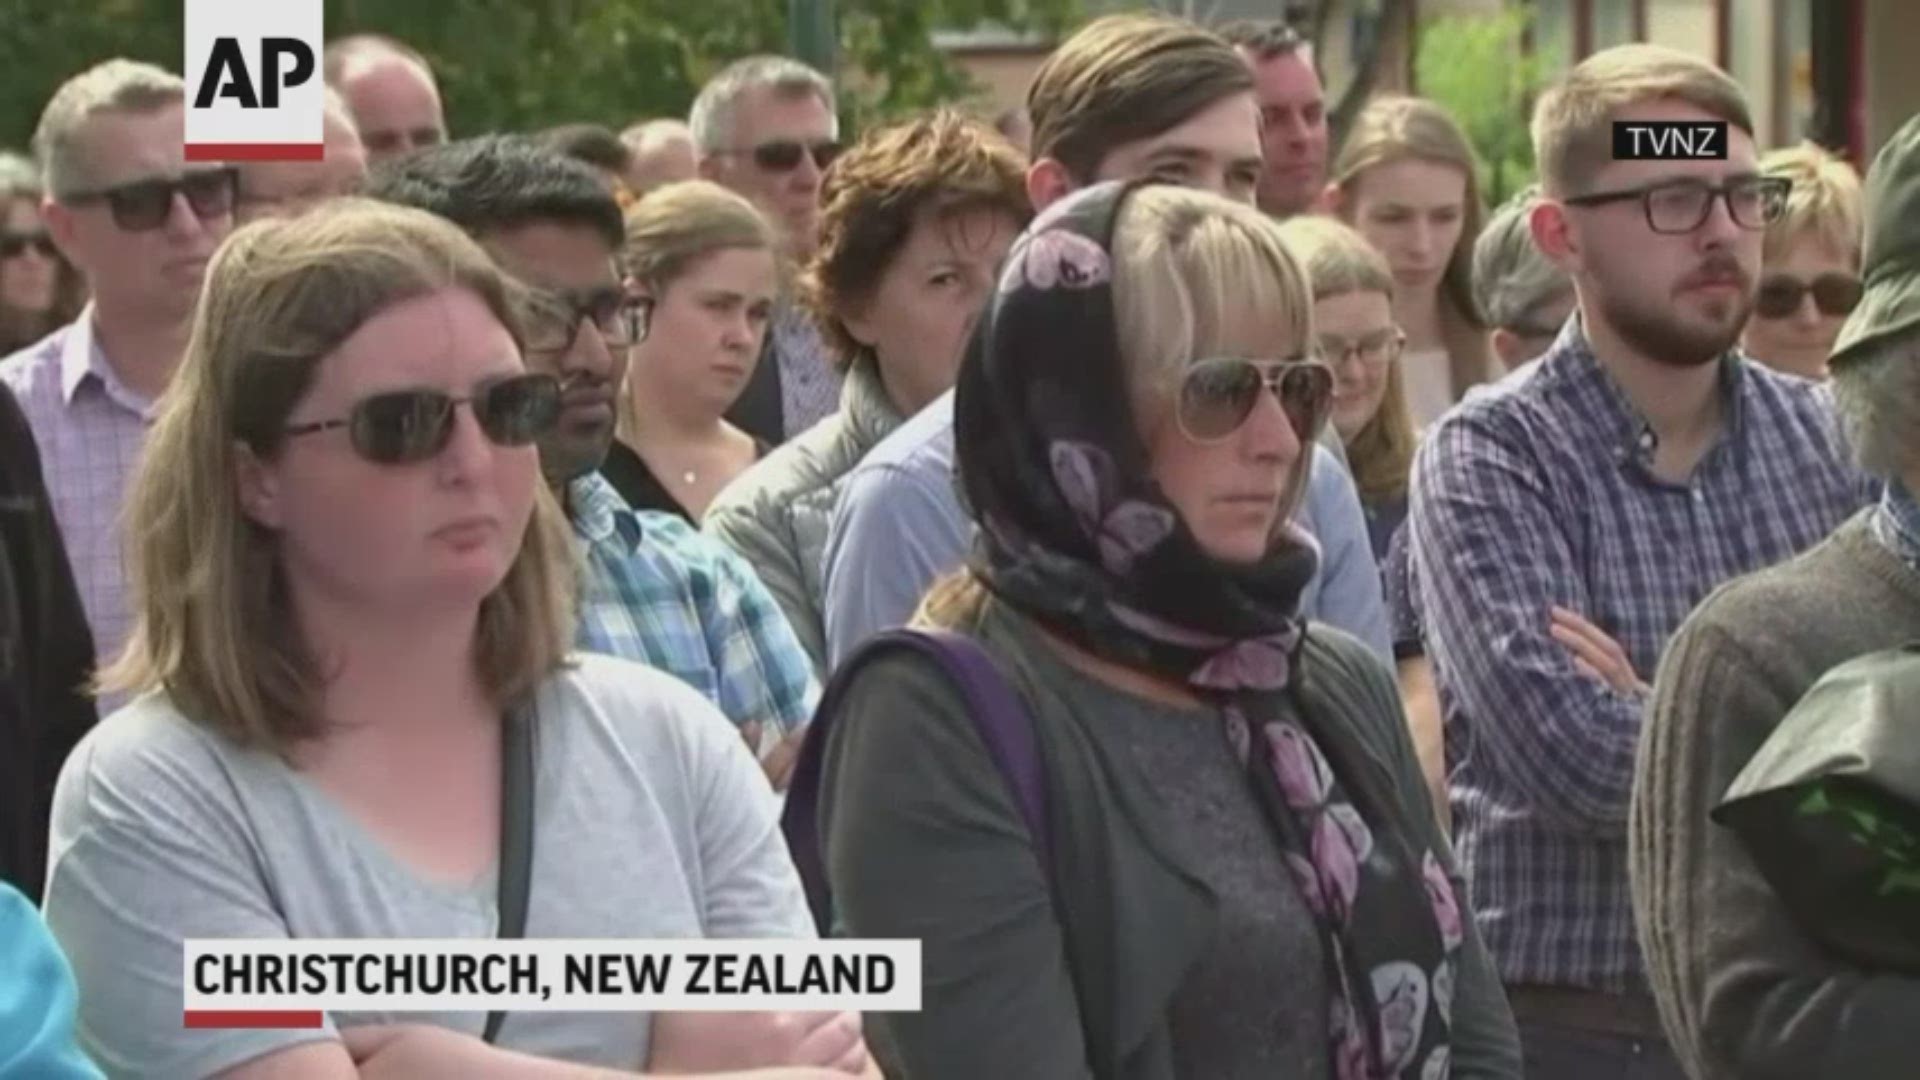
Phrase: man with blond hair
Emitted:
{"points": [[1564, 522], [140, 223]]}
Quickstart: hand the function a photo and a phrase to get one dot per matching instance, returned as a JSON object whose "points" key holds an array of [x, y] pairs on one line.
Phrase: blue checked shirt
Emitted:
{"points": [[1540, 491], [1896, 524], [656, 591]]}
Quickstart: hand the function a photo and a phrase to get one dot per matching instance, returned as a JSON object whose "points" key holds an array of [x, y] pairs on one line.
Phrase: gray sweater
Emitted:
{"points": [[1182, 951], [1743, 992]]}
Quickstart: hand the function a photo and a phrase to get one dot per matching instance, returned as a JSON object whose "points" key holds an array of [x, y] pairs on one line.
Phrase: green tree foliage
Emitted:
{"points": [[1475, 66], [507, 65]]}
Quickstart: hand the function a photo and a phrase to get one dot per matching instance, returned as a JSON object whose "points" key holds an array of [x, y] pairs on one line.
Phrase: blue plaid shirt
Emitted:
{"points": [[656, 591], [1540, 491], [1896, 524]]}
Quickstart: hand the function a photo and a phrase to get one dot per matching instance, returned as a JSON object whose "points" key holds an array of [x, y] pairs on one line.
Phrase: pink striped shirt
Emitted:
{"points": [[90, 428]]}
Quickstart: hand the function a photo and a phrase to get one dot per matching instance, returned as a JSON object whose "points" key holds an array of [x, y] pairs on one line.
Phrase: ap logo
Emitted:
{"points": [[253, 69]]}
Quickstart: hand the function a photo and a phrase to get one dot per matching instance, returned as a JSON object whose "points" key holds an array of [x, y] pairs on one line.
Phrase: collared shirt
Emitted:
{"points": [[90, 428], [900, 523], [809, 385], [656, 591], [1896, 523], [1540, 491]]}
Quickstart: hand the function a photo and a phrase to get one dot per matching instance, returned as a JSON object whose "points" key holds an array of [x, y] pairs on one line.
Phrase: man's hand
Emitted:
{"points": [[1596, 654], [778, 763]]}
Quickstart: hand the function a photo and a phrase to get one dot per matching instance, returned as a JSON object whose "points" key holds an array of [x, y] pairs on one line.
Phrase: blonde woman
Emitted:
{"points": [[1407, 179], [1240, 875], [1360, 339], [1810, 263], [704, 263], [351, 592]]}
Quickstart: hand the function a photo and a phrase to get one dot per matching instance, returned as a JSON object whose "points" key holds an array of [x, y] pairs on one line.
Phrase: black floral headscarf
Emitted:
{"points": [[1075, 534]]}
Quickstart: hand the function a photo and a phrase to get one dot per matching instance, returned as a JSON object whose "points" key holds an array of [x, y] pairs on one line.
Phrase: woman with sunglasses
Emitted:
{"points": [[39, 290], [703, 262], [1240, 875], [1810, 263], [355, 700], [1407, 179]]}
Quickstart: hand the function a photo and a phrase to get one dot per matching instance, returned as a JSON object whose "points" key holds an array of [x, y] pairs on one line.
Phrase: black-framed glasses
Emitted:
{"points": [[407, 426], [1218, 394], [1376, 349], [1681, 206], [15, 244], [1835, 294], [783, 155], [554, 318], [145, 205]]}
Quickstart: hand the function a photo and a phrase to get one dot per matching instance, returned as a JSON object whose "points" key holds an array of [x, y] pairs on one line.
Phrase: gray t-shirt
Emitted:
{"points": [[651, 820]]}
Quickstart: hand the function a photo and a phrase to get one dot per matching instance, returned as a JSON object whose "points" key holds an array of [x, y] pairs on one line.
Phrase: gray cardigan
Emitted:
{"points": [[776, 514], [1743, 992], [922, 840]]}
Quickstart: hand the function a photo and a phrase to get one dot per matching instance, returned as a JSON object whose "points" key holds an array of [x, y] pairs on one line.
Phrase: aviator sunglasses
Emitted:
{"points": [[407, 426], [1781, 294], [1218, 394]]}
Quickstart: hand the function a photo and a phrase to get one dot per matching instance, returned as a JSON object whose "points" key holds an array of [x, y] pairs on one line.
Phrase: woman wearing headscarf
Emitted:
{"points": [[1238, 873]]}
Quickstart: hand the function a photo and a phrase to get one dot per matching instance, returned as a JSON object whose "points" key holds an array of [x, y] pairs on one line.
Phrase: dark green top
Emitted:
{"points": [[1186, 951], [1743, 992]]}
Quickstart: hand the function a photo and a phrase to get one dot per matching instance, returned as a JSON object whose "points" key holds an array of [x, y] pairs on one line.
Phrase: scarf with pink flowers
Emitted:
{"points": [[1074, 534]]}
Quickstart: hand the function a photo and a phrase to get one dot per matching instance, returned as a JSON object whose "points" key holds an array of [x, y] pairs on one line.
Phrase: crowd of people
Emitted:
{"points": [[1244, 606]]}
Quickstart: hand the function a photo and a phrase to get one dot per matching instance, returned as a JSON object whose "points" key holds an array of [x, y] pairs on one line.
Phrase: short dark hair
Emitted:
{"points": [[499, 181], [1124, 78], [591, 144], [1264, 38]]}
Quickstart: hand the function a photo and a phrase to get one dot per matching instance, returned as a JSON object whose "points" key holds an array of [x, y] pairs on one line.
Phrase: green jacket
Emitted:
{"points": [[1891, 302]]}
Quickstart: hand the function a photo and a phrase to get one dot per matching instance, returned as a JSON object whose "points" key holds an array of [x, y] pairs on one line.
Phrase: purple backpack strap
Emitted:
{"points": [[998, 713]]}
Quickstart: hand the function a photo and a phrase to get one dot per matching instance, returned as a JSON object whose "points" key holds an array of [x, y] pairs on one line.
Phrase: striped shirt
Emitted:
{"points": [[90, 429], [655, 590], [1540, 491]]}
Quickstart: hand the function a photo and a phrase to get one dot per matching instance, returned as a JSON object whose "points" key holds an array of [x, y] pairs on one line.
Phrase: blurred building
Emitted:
{"points": [[1811, 68]]}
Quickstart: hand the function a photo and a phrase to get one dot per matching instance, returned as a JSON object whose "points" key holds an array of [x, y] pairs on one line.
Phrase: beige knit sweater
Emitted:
{"points": [[1743, 992]]}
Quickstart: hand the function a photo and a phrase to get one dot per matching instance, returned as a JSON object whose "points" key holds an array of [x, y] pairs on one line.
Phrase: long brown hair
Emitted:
{"points": [[20, 183], [1395, 128], [213, 625]]}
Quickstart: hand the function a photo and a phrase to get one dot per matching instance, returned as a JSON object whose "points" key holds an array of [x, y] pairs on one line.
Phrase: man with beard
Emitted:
{"points": [[1567, 520], [652, 589]]}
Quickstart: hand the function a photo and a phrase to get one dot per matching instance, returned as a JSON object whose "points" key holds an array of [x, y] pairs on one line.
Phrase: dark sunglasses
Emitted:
{"points": [[407, 426], [1217, 395], [554, 318], [145, 205], [1781, 294], [783, 155], [14, 245]]}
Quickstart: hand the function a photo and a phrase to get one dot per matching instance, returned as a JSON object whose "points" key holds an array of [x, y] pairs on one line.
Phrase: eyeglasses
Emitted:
{"points": [[145, 205], [783, 155], [14, 245], [1834, 294], [1375, 350], [408, 426], [554, 318], [1681, 206], [1217, 395]]}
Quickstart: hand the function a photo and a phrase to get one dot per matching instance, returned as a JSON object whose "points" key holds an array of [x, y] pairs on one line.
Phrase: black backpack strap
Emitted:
{"points": [[997, 711], [516, 838]]}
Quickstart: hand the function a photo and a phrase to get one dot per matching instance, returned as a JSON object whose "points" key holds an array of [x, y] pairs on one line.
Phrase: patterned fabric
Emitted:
{"points": [[1073, 535], [1540, 492], [1896, 523], [90, 428], [809, 385], [656, 591]]}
